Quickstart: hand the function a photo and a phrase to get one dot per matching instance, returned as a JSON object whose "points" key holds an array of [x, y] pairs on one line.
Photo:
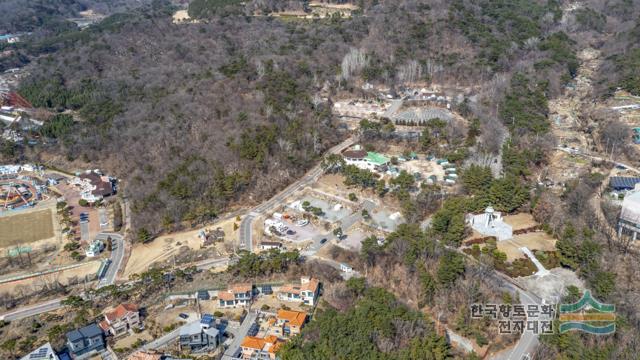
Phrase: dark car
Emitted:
{"points": [[323, 241], [291, 232], [253, 330], [183, 316]]}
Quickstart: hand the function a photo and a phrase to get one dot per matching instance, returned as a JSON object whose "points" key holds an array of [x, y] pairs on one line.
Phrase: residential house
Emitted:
{"points": [[197, 336], [94, 186], [306, 292], [268, 245], [120, 320], [629, 223], [85, 342], [260, 348], [289, 323], [236, 295], [365, 160], [44, 352]]}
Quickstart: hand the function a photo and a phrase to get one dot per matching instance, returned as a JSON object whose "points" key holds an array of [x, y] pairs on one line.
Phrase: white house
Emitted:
{"points": [[629, 223], [235, 295], [95, 248], [490, 223], [306, 292]]}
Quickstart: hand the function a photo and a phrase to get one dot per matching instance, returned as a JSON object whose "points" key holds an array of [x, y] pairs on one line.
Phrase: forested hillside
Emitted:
{"points": [[227, 108], [199, 115]]}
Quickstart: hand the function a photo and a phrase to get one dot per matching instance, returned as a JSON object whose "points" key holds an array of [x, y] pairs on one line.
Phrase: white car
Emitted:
{"points": [[303, 222]]}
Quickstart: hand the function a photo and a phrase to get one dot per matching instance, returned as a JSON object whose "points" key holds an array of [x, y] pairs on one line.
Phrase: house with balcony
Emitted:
{"points": [[85, 342], [199, 335], [121, 320], [289, 323], [306, 292], [256, 348], [236, 295]]}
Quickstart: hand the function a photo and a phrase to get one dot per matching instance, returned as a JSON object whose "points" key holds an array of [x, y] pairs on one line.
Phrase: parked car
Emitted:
{"points": [[253, 330], [303, 222], [323, 241], [291, 232], [183, 316]]}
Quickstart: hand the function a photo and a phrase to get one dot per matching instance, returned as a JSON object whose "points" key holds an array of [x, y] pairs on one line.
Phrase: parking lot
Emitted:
{"points": [[332, 210], [88, 230], [302, 233]]}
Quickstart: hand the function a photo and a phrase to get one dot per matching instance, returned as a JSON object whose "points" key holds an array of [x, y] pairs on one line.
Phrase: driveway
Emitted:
{"points": [[238, 335]]}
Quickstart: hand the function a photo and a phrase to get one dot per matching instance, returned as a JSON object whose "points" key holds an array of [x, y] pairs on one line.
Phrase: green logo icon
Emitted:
{"points": [[588, 315]]}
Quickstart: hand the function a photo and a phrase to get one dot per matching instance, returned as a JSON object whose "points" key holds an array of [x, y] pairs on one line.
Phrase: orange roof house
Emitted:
{"points": [[289, 322], [296, 318], [306, 292], [121, 319], [236, 295], [255, 347]]}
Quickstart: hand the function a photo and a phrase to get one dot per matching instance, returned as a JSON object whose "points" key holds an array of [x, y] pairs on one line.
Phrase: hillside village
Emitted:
{"points": [[363, 215]]}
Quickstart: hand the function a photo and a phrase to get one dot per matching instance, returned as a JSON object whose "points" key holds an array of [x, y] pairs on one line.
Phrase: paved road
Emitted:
{"points": [[245, 233], [238, 335], [33, 310], [528, 341], [165, 339], [117, 254], [211, 263], [393, 109], [598, 158]]}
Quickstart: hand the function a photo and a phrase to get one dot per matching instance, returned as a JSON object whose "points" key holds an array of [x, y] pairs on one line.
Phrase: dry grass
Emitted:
{"points": [[34, 284], [538, 240], [164, 247], [520, 221], [25, 228]]}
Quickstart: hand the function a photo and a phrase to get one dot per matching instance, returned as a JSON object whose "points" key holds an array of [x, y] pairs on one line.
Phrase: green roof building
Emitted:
{"points": [[376, 158]]}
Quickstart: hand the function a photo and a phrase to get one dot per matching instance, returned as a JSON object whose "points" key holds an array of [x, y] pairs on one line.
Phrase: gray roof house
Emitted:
{"points": [[85, 341], [198, 335]]}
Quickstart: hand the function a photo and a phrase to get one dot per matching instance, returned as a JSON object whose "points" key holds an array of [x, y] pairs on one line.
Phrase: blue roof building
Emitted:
{"points": [[621, 183]]}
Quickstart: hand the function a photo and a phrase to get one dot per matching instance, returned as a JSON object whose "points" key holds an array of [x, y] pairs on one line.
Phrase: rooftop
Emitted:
{"points": [[269, 343], [354, 154], [376, 158], [310, 285], [631, 208], [194, 328], [88, 331], [44, 352], [296, 318], [620, 182], [120, 311]]}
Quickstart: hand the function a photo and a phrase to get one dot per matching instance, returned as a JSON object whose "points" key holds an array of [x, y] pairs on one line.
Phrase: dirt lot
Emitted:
{"points": [[275, 304], [538, 240], [26, 227], [520, 221], [127, 341], [30, 285], [162, 248]]}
